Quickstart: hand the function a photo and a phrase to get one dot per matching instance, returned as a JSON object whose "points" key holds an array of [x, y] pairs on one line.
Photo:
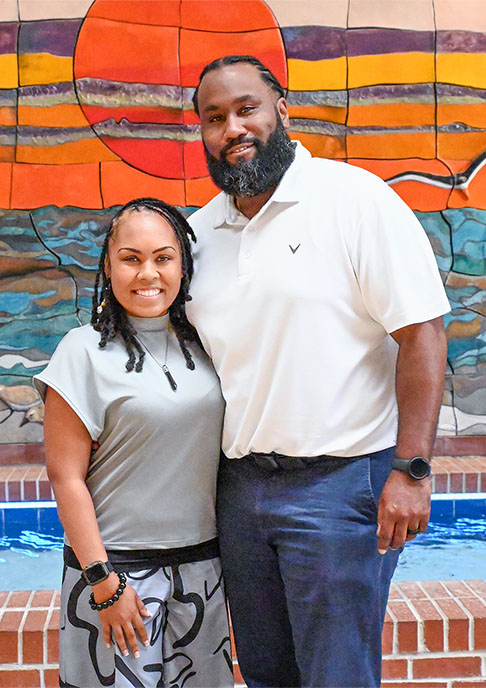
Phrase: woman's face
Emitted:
{"points": [[144, 263]]}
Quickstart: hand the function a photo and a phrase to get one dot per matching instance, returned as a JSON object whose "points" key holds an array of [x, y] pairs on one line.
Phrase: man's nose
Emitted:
{"points": [[234, 127]]}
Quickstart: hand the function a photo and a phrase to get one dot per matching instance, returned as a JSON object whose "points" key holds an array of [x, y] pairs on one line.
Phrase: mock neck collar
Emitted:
{"points": [[158, 324]]}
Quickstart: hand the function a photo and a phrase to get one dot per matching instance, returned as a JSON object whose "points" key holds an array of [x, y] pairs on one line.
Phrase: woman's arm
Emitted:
{"points": [[68, 448]]}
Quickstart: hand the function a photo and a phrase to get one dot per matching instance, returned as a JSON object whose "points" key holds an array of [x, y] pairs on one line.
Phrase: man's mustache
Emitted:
{"points": [[236, 142]]}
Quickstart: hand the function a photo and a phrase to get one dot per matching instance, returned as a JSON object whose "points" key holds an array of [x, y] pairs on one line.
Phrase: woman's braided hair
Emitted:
{"points": [[110, 319]]}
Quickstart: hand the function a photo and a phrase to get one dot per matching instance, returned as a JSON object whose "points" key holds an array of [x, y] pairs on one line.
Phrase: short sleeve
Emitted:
{"points": [[396, 268], [70, 373]]}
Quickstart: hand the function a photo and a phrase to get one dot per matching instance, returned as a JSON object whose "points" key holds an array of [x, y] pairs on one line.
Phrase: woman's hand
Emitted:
{"points": [[124, 618]]}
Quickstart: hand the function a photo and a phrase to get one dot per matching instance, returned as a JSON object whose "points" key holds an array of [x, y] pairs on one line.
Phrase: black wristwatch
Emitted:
{"points": [[97, 572], [417, 467]]}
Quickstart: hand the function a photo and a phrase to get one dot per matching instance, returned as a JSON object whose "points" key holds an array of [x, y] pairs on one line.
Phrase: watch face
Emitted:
{"points": [[419, 468], [96, 572]]}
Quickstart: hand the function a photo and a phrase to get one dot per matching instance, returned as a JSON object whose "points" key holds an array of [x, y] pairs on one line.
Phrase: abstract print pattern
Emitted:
{"points": [[188, 632]]}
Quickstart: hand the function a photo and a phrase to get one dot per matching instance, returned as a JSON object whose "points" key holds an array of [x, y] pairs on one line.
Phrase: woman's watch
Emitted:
{"points": [[97, 572], [417, 467]]}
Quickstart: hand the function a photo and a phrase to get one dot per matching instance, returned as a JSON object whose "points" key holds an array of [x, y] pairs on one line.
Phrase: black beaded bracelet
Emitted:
{"points": [[109, 603]]}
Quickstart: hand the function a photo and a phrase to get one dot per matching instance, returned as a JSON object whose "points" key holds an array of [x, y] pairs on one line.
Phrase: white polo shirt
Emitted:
{"points": [[294, 307]]}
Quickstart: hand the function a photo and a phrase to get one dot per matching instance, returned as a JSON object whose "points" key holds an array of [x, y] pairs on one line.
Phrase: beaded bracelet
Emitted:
{"points": [[108, 603]]}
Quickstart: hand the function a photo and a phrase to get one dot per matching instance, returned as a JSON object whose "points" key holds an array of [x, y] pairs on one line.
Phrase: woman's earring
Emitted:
{"points": [[106, 290]]}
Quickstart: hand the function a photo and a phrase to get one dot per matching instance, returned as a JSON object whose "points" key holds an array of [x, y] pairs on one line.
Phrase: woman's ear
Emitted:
{"points": [[106, 268]]}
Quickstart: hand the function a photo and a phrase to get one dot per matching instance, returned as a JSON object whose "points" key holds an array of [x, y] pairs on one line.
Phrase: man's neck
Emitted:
{"points": [[249, 206]]}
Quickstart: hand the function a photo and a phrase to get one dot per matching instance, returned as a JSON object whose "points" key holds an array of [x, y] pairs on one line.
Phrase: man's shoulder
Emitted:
{"points": [[204, 216]]}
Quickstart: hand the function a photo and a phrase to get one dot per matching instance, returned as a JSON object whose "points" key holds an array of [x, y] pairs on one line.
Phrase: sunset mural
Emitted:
{"points": [[95, 109]]}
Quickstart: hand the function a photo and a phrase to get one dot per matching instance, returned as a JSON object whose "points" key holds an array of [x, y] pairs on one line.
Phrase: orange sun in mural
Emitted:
{"points": [[137, 63]]}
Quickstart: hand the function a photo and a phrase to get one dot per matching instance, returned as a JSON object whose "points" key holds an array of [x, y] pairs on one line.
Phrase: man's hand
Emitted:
{"points": [[404, 505]]}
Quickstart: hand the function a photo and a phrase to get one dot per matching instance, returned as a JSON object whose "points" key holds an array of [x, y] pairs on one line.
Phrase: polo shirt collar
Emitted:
{"points": [[288, 191]]}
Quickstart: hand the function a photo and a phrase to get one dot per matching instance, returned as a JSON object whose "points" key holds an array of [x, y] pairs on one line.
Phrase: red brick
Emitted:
{"points": [[30, 490], [456, 482], [19, 598], [458, 588], [440, 483], [458, 625], [9, 626], [395, 592], [435, 589], [478, 611], [479, 587], [33, 637], [407, 626], [13, 487], [42, 598], [238, 678], [471, 481], [45, 490], [3, 496], [387, 636], [469, 684], [57, 599], [433, 625], [483, 482], [394, 668], [53, 638], [51, 678], [3, 597], [20, 678], [412, 590], [447, 667], [413, 684]]}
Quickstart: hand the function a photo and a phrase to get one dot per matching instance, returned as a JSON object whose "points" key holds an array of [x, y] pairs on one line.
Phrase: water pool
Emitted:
{"points": [[454, 545]]}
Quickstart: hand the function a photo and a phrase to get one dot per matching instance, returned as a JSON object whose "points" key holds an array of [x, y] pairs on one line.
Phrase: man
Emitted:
{"points": [[314, 283]]}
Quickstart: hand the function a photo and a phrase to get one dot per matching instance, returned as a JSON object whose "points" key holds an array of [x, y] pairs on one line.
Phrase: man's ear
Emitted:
{"points": [[283, 112]]}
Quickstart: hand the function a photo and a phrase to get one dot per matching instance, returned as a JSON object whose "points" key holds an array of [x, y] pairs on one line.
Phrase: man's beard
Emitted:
{"points": [[258, 175]]}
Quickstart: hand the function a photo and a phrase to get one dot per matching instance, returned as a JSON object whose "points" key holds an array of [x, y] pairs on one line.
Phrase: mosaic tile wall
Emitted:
{"points": [[95, 109]]}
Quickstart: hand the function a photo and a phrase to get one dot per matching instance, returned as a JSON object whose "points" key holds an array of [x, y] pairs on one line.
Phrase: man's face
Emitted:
{"points": [[243, 126]]}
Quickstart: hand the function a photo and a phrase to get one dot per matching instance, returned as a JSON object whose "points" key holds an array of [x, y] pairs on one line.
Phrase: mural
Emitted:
{"points": [[95, 109]]}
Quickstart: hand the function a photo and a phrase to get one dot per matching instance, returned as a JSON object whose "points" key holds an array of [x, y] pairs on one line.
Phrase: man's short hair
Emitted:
{"points": [[267, 76]]}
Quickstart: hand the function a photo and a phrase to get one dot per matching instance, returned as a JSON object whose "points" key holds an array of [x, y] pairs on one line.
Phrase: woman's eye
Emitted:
{"points": [[163, 259], [130, 259]]}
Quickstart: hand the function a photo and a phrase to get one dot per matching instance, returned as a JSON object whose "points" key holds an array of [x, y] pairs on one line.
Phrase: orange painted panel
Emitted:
{"points": [[194, 160], [85, 151], [34, 186], [162, 158], [219, 15], [197, 48], [7, 153], [120, 183], [321, 112], [322, 146], [200, 191], [391, 146], [422, 197], [474, 115], [391, 115], [133, 113], [53, 116], [389, 168], [473, 196], [127, 52], [460, 146], [162, 12], [7, 116], [5, 184], [190, 117]]}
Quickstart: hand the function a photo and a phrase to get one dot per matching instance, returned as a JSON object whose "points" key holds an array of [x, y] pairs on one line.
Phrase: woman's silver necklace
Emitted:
{"points": [[167, 373]]}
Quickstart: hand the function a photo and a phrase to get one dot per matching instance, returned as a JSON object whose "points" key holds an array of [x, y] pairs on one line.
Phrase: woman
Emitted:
{"points": [[141, 558]]}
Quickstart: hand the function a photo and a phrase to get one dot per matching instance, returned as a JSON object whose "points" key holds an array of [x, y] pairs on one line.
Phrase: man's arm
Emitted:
{"points": [[405, 502]]}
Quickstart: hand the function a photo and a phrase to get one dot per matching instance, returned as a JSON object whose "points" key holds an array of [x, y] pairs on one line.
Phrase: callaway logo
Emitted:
{"points": [[294, 250]]}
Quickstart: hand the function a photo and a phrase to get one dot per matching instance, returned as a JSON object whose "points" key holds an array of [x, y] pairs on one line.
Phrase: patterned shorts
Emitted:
{"points": [[188, 632]]}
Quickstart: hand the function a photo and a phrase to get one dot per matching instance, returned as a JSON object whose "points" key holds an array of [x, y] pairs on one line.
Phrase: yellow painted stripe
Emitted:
{"points": [[8, 71], [462, 69], [316, 76], [40, 68], [399, 68]]}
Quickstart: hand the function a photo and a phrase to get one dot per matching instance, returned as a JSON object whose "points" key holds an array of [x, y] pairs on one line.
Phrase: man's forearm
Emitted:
{"points": [[419, 385]]}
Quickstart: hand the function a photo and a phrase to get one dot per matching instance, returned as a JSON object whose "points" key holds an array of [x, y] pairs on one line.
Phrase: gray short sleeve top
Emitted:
{"points": [[153, 478]]}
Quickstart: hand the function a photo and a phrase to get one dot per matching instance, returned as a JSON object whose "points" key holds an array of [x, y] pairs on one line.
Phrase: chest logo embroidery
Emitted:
{"points": [[294, 250]]}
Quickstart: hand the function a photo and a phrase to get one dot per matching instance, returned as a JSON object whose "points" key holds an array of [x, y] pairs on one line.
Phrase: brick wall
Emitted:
{"points": [[434, 637]]}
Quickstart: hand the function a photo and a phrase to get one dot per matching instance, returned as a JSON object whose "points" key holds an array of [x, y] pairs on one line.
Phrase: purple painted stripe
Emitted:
{"points": [[379, 41], [54, 37], [314, 42], [396, 91], [8, 38], [62, 88], [461, 42], [449, 90]]}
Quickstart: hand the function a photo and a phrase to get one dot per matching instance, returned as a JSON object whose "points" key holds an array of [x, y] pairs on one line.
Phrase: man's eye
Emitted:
{"points": [[247, 109], [214, 118]]}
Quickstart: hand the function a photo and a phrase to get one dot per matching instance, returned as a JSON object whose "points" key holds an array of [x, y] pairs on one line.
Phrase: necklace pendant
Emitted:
{"points": [[172, 382]]}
